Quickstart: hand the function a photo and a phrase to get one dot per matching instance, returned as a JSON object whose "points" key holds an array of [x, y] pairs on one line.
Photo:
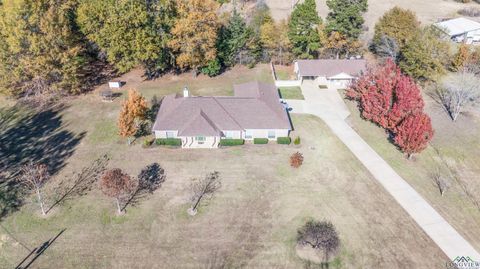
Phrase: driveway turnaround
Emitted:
{"points": [[332, 110]]}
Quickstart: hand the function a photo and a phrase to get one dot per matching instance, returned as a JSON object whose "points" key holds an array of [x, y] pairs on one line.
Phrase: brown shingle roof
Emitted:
{"points": [[254, 106], [330, 67]]}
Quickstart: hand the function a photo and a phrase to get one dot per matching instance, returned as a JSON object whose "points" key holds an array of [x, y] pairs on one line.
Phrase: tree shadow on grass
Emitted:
{"points": [[80, 183], [37, 252], [150, 178], [31, 135]]}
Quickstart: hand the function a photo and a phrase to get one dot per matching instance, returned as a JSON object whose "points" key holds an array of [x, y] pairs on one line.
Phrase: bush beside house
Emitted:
{"points": [[177, 142], [284, 140], [260, 141], [231, 142]]}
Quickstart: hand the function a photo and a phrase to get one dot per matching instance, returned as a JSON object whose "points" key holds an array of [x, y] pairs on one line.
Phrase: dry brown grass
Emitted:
{"points": [[453, 151], [428, 11], [251, 222]]}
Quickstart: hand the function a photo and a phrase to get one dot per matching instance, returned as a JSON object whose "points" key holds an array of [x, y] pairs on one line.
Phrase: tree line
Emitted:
{"points": [[55, 46]]}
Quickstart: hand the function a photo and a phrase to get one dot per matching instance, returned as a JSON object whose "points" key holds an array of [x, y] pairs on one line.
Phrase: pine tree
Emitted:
{"points": [[414, 133], [232, 39], [303, 30], [194, 35], [346, 17], [41, 50]]}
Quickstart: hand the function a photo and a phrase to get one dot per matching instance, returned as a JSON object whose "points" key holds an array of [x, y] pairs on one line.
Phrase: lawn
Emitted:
{"points": [[284, 72], [251, 221], [454, 151], [291, 93]]}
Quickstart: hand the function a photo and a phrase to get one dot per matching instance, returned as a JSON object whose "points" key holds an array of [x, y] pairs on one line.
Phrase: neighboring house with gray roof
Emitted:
{"points": [[330, 72], [254, 111], [460, 30]]}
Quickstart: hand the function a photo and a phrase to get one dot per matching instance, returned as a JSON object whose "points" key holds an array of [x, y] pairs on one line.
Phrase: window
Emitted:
{"points": [[248, 134], [170, 134], [271, 134], [200, 139], [228, 134]]}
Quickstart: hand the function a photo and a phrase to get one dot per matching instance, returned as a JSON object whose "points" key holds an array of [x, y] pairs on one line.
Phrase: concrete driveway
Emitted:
{"points": [[329, 106]]}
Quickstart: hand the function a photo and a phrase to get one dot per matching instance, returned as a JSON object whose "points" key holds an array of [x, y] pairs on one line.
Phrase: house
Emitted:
{"points": [[330, 72], [460, 30], [254, 111]]}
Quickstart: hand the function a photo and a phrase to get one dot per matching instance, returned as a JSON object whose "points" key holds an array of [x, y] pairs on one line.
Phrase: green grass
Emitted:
{"points": [[291, 93], [282, 74]]}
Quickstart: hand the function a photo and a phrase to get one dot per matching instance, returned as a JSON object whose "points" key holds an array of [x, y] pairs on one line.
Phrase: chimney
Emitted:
{"points": [[185, 92]]}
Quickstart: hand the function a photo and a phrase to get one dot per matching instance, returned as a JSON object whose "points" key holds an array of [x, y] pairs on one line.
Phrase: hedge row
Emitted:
{"points": [[231, 142], [284, 140], [260, 141], [169, 142]]}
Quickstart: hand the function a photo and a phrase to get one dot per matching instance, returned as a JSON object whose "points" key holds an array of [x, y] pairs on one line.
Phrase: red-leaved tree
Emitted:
{"points": [[386, 96], [414, 133], [116, 184], [407, 100], [393, 100], [374, 92]]}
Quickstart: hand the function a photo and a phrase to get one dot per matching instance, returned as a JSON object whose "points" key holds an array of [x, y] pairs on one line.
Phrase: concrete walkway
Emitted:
{"points": [[329, 106]]}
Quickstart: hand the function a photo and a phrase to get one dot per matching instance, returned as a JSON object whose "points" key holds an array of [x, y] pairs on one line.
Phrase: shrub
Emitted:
{"points": [[284, 140], [296, 160], [169, 142], [471, 12], [231, 142], [297, 140], [212, 69], [260, 141], [148, 142]]}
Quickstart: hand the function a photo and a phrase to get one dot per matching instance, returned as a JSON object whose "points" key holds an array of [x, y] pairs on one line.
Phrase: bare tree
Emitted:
{"points": [[116, 184], [204, 188], [442, 182], [34, 177], [387, 47], [321, 236], [458, 91]]}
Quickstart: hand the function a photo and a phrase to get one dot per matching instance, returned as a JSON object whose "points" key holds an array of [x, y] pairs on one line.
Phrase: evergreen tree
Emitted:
{"points": [[425, 56], [346, 17], [232, 39], [129, 32], [40, 49], [303, 30]]}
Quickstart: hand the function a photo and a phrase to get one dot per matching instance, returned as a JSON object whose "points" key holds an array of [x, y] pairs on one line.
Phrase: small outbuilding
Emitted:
{"points": [[114, 84], [330, 72], [461, 30]]}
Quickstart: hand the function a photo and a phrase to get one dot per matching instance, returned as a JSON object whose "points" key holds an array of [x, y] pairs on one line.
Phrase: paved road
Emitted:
{"points": [[329, 106]]}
